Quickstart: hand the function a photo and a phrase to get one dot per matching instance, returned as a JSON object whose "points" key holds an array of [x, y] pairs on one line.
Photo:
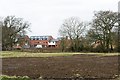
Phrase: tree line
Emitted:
{"points": [[99, 35]]}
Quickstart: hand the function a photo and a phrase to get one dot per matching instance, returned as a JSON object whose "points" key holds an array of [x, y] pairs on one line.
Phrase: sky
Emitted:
{"points": [[47, 16]]}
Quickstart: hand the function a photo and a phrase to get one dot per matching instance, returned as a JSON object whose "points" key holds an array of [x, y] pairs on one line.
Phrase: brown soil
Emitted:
{"points": [[77, 66]]}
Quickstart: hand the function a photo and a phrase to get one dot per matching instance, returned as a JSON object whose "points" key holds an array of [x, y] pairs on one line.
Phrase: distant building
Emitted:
{"points": [[54, 43], [96, 44], [37, 42], [22, 42], [40, 41]]}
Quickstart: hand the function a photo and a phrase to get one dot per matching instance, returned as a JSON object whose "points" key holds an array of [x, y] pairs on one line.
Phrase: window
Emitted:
{"points": [[37, 38]]}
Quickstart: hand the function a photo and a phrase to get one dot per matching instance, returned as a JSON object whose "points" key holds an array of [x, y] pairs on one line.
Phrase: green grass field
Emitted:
{"points": [[5, 54]]}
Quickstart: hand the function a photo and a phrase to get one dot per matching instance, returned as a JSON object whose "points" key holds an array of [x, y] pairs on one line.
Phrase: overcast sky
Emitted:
{"points": [[46, 16]]}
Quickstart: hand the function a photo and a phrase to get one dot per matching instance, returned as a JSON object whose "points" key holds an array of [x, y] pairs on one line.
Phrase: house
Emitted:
{"points": [[40, 41], [54, 43], [37, 42], [96, 44], [22, 42]]}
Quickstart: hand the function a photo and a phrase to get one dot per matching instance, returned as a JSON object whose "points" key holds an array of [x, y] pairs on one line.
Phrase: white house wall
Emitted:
{"points": [[51, 43]]}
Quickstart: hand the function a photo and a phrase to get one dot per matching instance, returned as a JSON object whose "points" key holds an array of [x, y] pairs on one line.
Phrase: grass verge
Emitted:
{"points": [[4, 77], [6, 54]]}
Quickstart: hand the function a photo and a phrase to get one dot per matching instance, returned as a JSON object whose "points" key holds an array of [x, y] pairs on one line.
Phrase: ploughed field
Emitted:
{"points": [[73, 66]]}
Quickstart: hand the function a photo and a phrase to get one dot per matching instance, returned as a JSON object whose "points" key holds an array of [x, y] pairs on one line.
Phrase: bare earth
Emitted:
{"points": [[76, 66]]}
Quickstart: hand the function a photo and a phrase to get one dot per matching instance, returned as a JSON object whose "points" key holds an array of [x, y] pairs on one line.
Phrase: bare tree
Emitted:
{"points": [[73, 28]]}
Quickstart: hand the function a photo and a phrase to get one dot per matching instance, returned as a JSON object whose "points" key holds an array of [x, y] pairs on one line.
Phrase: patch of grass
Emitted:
{"points": [[27, 54], [102, 54], [6, 54], [4, 77]]}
